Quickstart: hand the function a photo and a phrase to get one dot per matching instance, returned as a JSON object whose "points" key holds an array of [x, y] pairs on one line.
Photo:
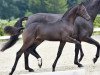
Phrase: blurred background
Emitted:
{"points": [[11, 10]]}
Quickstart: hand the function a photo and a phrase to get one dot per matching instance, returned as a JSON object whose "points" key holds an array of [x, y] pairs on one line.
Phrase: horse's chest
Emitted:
{"points": [[71, 31]]}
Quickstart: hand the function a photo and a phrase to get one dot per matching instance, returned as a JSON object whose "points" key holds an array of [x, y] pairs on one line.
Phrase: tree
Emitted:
{"points": [[56, 6], [22, 6], [7, 9], [72, 3]]}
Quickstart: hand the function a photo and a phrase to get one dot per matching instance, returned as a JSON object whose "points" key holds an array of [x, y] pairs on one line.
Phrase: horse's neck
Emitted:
{"points": [[70, 16], [93, 8]]}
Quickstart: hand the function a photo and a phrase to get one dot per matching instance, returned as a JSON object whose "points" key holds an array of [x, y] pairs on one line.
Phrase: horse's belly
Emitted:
{"points": [[52, 37]]}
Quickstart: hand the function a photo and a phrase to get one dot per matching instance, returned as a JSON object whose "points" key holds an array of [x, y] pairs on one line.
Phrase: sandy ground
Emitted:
{"points": [[48, 51]]}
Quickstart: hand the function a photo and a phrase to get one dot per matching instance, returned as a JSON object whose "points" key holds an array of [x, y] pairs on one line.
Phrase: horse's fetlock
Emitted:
{"points": [[53, 66], [40, 62], [82, 54], [97, 56], [75, 62]]}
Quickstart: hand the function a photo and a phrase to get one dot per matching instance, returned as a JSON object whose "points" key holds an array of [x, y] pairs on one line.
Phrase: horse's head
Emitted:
{"points": [[82, 12]]}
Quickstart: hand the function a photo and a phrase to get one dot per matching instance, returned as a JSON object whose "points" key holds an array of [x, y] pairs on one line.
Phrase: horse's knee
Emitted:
{"points": [[78, 44]]}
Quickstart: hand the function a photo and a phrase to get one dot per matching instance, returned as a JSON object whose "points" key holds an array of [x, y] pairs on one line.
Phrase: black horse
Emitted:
{"points": [[62, 30], [84, 28]]}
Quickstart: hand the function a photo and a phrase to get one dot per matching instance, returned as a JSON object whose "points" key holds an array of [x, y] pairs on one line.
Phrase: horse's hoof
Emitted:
{"points": [[80, 60], [40, 65], [10, 73], [31, 70], [53, 70], [80, 65], [2, 50], [40, 62], [94, 60]]}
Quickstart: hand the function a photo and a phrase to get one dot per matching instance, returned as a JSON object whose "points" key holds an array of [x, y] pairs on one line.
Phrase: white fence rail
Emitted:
{"points": [[96, 29], [7, 37]]}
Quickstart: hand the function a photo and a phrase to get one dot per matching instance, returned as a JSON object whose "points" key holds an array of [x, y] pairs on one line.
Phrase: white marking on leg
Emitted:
{"points": [[40, 61]]}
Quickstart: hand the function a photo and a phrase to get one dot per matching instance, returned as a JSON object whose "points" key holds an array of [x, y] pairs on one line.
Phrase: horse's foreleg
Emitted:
{"points": [[77, 47], [81, 51], [81, 54], [18, 55], [26, 55], [61, 46], [92, 41]]}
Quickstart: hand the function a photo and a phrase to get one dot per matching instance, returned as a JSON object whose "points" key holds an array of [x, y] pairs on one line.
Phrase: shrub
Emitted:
{"points": [[4, 23], [97, 21]]}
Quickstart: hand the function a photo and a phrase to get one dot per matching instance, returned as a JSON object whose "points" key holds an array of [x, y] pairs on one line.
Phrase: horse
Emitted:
{"points": [[85, 28], [62, 30], [82, 26]]}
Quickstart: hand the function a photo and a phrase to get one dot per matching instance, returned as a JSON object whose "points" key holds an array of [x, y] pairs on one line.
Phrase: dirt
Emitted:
{"points": [[48, 52]]}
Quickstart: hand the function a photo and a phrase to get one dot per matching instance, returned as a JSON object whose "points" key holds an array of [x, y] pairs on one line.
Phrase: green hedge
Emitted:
{"points": [[4, 23], [97, 21]]}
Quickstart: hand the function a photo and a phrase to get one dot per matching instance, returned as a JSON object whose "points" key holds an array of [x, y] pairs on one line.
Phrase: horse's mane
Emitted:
{"points": [[67, 11]]}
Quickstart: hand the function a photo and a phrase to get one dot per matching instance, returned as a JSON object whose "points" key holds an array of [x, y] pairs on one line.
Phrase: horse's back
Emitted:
{"points": [[44, 17]]}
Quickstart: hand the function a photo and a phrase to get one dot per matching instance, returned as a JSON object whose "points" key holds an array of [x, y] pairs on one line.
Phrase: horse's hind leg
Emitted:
{"points": [[92, 41], [61, 46], [18, 55], [26, 55], [34, 53]]}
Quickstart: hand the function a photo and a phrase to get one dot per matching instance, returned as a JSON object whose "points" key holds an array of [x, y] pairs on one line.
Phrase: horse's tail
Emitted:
{"points": [[14, 33]]}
